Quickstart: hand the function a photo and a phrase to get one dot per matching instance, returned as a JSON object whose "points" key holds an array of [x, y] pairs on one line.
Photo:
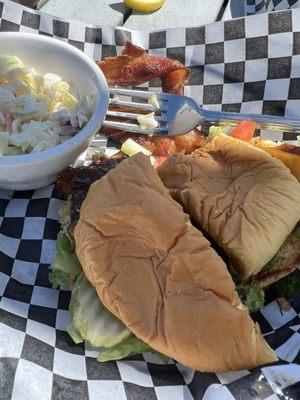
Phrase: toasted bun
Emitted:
{"points": [[158, 274], [246, 200]]}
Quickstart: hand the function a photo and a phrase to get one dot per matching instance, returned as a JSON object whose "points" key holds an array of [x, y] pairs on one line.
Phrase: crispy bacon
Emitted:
{"points": [[134, 66]]}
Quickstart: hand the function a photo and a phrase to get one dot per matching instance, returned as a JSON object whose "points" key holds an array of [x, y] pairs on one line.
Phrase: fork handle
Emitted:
{"points": [[267, 122]]}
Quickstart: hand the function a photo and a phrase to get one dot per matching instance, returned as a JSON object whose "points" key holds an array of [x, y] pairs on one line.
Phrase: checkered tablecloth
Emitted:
{"points": [[250, 64]]}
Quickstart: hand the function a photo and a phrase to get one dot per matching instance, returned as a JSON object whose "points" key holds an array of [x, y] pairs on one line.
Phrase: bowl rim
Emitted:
{"points": [[92, 125]]}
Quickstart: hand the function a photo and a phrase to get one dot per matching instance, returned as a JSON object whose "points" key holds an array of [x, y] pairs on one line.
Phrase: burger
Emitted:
{"points": [[171, 260]]}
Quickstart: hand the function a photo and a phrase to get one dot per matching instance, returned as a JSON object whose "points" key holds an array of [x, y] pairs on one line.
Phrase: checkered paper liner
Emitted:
{"points": [[250, 64], [260, 6]]}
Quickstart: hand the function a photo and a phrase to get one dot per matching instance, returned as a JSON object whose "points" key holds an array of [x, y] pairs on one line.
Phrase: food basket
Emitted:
{"points": [[250, 64]]}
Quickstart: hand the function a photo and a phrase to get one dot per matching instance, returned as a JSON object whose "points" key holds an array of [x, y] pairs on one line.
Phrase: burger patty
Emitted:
{"points": [[75, 182]]}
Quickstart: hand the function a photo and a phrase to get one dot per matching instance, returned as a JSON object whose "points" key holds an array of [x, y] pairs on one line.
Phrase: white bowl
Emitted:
{"points": [[32, 171]]}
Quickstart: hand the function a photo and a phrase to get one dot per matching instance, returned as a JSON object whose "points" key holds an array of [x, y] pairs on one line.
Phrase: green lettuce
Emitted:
{"points": [[58, 278], [215, 131], [91, 320], [287, 287], [253, 297], [128, 347], [65, 267], [64, 214]]}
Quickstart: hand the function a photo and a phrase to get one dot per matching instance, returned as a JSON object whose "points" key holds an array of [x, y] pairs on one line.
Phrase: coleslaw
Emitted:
{"points": [[37, 111]]}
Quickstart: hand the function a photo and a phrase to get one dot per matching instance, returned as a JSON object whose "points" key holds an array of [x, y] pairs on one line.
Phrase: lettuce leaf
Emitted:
{"points": [[74, 333], [91, 320], [65, 267], [287, 287], [64, 214], [58, 278], [215, 131], [255, 298], [128, 347]]}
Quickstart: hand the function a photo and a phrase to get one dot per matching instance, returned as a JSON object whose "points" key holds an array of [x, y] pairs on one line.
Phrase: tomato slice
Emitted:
{"points": [[159, 160], [244, 131]]}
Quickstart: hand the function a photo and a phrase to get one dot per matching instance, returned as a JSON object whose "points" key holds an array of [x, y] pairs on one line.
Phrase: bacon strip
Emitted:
{"points": [[134, 66]]}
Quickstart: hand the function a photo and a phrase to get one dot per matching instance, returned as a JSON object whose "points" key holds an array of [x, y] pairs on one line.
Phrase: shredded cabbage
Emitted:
{"points": [[154, 101], [130, 148], [147, 121], [37, 111], [7, 63], [4, 138]]}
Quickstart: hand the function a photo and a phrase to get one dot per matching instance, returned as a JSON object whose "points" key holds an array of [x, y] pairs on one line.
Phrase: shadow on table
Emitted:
{"points": [[237, 8], [122, 9], [119, 7]]}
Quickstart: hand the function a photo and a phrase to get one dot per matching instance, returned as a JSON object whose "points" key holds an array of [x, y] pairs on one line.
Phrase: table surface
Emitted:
{"points": [[174, 13]]}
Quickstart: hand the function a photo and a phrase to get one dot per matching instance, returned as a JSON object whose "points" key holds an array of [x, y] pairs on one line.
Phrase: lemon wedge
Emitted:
{"points": [[144, 5]]}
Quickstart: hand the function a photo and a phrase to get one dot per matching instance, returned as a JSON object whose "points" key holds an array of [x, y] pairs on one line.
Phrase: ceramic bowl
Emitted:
{"points": [[45, 54]]}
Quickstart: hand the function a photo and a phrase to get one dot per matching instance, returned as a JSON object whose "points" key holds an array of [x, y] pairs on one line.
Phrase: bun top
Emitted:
{"points": [[246, 200], [158, 274]]}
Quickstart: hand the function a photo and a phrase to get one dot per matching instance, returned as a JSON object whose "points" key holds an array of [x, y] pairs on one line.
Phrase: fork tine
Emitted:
{"points": [[129, 104], [129, 115], [162, 130], [128, 92], [121, 114], [164, 106]]}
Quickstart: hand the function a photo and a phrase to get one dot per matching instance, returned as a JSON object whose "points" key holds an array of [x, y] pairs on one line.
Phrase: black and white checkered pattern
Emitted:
{"points": [[260, 6], [250, 64]]}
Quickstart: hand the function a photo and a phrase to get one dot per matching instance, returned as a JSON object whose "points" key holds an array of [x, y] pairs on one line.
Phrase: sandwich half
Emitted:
{"points": [[245, 200], [159, 276]]}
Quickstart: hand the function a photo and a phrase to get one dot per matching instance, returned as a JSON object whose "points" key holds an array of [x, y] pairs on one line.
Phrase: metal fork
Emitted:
{"points": [[177, 115]]}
